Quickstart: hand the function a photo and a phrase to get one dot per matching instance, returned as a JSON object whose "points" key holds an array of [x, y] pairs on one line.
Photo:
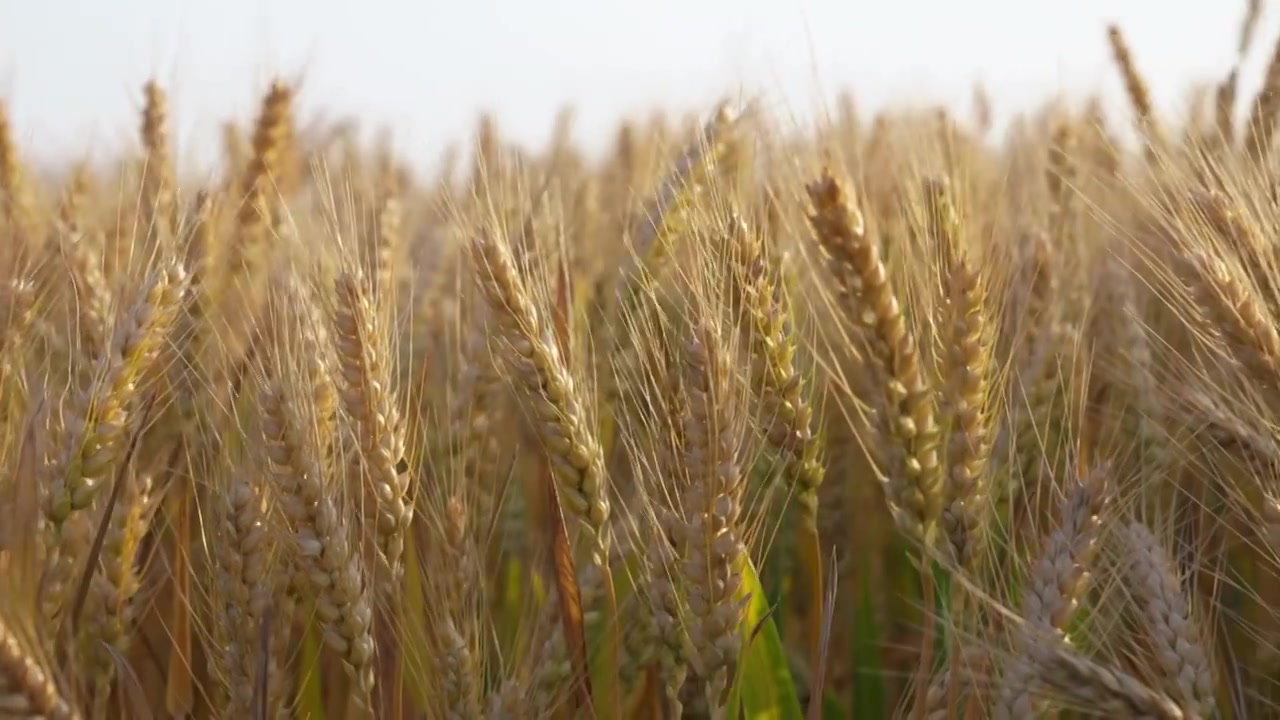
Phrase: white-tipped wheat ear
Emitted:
{"points": [[668, 610], [714, 552]]}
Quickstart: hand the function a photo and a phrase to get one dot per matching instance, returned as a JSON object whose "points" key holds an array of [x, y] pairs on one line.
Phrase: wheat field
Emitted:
{"points": [[892, 417]]}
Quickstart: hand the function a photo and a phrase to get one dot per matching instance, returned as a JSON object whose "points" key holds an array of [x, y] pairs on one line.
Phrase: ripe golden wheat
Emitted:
{"points": [[883, 419]]}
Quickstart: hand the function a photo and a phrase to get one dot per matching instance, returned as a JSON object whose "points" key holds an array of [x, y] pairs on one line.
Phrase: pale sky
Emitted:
{"points": [[72, 70]]}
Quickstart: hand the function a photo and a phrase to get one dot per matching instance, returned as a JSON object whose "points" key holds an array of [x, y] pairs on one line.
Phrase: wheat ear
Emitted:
{"points": [[712, 503], [914, 483], [1098, 688], [369, 399], [1178, 648], [534, 358], [322, 538], [27, 688], [1057, 581], [111, 610], [95, 434], [966, 377]]}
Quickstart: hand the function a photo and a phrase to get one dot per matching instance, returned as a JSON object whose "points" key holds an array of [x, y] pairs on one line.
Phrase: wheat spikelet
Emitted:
{"points": [[1138, 90], [242, 560], [1225, 107], [95, 434], [461, 590], [111, 606], [786, 404], [19, 300], [914, 482], [1261, 123], [1101, 689], [461, 691], [966, 375], [78, 191], [1057, 581], [1179, 651], [92, 296], [27, 688], [14, 193], [389, 239], [158, 203], [369, 399], [1234, 309], [713, 546], [322, 536], [94, 442], [537, 364], [259, 182]]}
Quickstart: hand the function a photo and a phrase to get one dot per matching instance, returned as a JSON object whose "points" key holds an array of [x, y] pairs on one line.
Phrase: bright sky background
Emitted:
{"points": [[72, 70]]}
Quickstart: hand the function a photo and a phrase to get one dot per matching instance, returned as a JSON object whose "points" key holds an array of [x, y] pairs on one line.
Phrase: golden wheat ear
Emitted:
{"points": [[914, 483], [370, 399], [20, 548], [27, 685], [1139, 93], [1261, 123], [159, 205]]}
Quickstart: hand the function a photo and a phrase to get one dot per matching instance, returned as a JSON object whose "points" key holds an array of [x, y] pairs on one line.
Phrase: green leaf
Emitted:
{"points": [[764, 688], [512, 599], [311, 695], [868, 682], [833, 709]]}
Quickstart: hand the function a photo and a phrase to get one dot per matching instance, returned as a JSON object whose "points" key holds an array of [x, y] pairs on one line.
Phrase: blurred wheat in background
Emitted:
{"points": [[894, 418]]}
